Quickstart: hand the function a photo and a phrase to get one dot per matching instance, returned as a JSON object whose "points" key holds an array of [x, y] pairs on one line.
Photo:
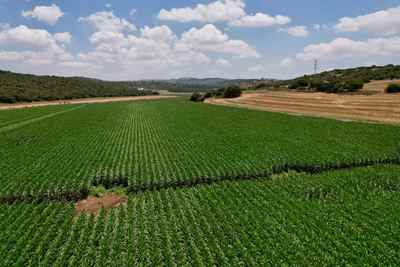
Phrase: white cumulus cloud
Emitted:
{"points": [[161, 33], [221, 62], [348, 48], [231, 11], [32, 46], [106, 21], [63, 37], [26, 38], [296, 31], [260, 20], [385, 22], [10, 56], [49, 14], [158, 51], [152, 50], [222, 10], [211, 39]]}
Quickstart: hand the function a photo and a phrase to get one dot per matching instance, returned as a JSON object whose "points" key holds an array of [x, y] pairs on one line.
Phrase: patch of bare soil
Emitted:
{"points": [[383, 108], [81, 101], [93, 205]]}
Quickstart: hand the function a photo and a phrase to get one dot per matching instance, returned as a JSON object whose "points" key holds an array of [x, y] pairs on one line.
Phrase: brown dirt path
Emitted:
{"points": [[93, 205], [81, 101], [382, 108]]}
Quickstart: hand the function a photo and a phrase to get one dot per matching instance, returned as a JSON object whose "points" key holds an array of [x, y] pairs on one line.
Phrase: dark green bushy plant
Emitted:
{"points": [[353, 85], [260, 86], [393, 88], [207, 95], [232, 92], [220, 92], [196, 97], [299, 83], [328, 87]]}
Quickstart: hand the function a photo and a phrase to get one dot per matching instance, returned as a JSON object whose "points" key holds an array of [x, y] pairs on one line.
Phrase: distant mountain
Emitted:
{"points": [[215, 83], [197, 81]]}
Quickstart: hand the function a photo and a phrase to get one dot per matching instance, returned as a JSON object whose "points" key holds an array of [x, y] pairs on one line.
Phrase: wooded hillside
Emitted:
{"points": [[344, 80], [27, 88]]}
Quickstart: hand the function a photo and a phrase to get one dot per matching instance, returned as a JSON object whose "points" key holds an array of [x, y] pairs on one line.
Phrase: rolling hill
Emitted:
{"points": [[16, 87]]}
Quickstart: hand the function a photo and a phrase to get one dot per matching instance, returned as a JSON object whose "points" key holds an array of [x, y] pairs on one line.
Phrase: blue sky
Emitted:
{"points": [[126, 40]]}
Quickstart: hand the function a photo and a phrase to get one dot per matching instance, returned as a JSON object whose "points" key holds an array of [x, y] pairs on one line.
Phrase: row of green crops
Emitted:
{"points": [[168, 141], [336, 218], [14, 116]]}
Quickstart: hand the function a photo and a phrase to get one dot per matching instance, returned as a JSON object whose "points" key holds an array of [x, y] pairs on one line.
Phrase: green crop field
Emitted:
{"points": [[207, 185]]}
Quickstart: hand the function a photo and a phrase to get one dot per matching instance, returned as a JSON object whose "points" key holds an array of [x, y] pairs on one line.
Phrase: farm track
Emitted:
{"points": [[189, 183]]}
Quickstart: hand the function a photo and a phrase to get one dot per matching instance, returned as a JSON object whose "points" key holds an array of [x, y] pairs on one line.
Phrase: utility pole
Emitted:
{"points": [[315, 66]]}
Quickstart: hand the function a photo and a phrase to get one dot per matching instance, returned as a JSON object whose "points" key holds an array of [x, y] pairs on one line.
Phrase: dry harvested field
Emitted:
{"points": [[80, 101], [378, 86], [374, 108]]}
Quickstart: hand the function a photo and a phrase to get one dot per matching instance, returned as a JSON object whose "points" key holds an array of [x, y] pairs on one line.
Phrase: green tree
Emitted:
{"points": [[232, 92]]}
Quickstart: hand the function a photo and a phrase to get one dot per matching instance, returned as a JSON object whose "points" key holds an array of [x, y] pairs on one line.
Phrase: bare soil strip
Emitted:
{"points": [[81, 101], [382, 108], [93, 205]]}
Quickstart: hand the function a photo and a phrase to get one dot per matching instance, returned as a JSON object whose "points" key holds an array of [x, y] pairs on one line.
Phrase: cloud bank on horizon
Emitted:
{"points": [[122, 40]]}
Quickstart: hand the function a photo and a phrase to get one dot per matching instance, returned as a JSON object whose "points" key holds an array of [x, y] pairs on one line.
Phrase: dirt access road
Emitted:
{"points": [[81, 101], [379, 107]]}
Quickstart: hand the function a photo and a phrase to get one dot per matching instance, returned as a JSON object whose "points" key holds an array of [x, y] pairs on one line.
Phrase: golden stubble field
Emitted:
{"points": [[371, 104]]}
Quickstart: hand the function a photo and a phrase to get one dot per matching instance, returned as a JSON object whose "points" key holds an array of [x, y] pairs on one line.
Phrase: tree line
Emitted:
{"points": [[232, 91], [16, 87]]}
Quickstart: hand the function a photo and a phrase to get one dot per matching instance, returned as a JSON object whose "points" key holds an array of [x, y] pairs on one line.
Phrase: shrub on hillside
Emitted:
{"points": [[220, 92], [232, 92], [196, 97], [261, 85], [353, 86], [299, 83], [8, 99], [393, 88], [328, 87], [207, 95]]}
